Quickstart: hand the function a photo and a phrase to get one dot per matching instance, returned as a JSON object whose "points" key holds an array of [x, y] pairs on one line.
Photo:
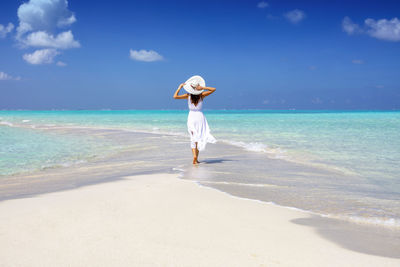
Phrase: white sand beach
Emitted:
{"points": [[161, 220]]}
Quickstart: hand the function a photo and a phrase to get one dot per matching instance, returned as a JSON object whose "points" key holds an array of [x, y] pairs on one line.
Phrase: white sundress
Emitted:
{"points": [[198, 127]]}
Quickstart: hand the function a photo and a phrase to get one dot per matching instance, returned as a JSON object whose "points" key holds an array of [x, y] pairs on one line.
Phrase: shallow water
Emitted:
{"points": [[26, 149], [339, 164]]}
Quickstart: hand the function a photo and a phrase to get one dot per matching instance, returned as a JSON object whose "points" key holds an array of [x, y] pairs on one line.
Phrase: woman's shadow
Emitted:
{"points": [[213, 161]]}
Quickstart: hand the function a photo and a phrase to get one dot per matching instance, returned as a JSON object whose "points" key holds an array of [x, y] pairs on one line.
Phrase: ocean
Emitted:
{"points": [[343, 164]]}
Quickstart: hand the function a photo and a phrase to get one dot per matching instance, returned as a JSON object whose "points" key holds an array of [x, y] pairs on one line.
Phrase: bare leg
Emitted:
{"points": [[197, 154], [194, 155]]}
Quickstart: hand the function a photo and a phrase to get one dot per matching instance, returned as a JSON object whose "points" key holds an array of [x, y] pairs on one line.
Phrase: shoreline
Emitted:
{"points": [[159, 219], [104, 160]]}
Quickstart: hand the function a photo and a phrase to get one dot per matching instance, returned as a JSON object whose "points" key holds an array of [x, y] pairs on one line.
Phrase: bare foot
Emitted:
{"points": [[195, 161]]}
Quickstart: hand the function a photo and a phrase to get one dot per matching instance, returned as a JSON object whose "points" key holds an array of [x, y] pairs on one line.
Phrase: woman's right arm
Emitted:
{"points": [[176, 96]]}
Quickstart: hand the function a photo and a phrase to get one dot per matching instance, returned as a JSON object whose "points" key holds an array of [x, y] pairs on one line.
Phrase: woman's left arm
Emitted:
{"points": [[209, 91]]}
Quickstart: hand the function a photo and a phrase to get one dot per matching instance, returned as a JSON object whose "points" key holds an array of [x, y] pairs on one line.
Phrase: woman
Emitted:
{"points": [[197, 123]]}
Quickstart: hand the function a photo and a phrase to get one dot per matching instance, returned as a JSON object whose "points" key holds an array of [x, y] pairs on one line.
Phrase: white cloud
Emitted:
{"points": [[44, 15], [41, 24], [349, 26], [63, 40], [383, 29], [4, 30], [144, 55], [388, 30], [357, 61], [66, 21], [22, 29], [4, 76], [295, 16], [61, 64], [43, 56], [262, 4]]}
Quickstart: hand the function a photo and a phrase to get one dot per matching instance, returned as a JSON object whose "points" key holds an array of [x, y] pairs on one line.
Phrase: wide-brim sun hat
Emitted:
{"points": [[194, 81]]}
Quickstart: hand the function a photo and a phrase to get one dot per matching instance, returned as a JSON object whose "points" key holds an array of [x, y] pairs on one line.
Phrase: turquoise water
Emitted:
{"points": [[27, 149], [367, 143]]}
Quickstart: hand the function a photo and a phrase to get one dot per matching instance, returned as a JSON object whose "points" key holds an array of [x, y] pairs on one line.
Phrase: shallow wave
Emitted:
{"points": [[6, 123], [67, 163], [379, 221], [256, 147], [259, 147]]}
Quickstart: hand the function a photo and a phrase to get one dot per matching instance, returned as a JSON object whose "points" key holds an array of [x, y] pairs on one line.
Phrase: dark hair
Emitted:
{"points": [[195, 98]]}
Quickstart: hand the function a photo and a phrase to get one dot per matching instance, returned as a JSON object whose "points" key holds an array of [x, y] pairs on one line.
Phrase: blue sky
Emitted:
{"points": [[272, 54]]}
